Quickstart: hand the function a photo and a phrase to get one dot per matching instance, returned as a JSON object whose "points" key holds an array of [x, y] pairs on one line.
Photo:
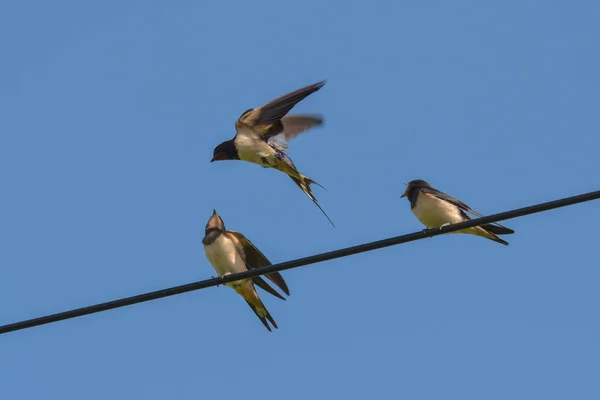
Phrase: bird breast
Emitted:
{"points": [[434, 212], [252, 148], [224, 257]]}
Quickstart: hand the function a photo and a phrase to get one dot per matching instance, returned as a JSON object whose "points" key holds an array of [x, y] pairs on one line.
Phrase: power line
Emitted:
{"points": [[361, 248]]}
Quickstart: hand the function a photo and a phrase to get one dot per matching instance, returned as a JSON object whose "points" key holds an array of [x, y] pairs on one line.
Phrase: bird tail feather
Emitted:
{"points": [[263, 314], [498, 230], [248, 292], [304, 183], [479, 231]]}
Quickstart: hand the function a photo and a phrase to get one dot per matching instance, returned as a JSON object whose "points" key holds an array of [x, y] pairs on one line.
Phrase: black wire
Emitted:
{"points": [[300, 262]]}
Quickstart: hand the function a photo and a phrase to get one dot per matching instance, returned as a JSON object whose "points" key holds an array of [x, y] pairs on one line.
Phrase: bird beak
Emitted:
{"points": [[212, 159], [215, 221], [405, 193]]}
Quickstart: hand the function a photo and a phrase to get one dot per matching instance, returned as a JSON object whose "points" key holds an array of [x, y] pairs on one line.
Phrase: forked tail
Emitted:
{"points": [[304, 183], [246, 289], [263, 314], [480, 231], [497, 239], [494, 230], [498, 229]]}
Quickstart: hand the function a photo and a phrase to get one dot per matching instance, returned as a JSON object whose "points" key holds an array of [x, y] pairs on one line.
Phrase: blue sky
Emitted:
{"points": [[111, 110]]}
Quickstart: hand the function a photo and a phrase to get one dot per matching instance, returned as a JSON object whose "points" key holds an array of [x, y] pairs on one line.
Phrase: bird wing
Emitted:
{"points": [[461, 205], [450, 199], [266, 119], [254, 258], [293, 125]]}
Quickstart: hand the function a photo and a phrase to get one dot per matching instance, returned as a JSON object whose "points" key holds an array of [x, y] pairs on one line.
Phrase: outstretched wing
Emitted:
{"points": [[254, 258], [267, 119], [293, 125]]}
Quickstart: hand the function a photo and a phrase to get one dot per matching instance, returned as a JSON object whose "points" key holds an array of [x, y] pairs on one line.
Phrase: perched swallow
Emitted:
{"points": [[262, 135], [231, 252], [436, 209]]}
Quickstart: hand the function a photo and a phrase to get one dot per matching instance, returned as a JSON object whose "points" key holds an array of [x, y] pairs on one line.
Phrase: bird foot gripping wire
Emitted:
{"points": [[427, 230], [443, 225], [222, 276], [225, 274]]}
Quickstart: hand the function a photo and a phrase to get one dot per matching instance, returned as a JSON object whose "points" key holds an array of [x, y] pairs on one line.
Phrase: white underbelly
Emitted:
{"points": [[254, 150], [224, 257], [433, 212]]}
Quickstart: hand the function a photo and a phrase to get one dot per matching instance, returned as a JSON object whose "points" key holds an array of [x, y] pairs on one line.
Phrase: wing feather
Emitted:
{"points": [[254, 258], [266, 119], [293, 125], [460, 204]]}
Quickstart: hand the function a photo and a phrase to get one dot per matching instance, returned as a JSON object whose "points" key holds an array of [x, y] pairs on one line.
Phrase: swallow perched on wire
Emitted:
{"points": [[262, 136], [230, 252], [436, 209]]}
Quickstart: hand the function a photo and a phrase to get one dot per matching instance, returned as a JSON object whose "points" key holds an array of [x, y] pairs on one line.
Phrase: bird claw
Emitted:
{"points": [[225, 274], [443, 225], [222, 276]]}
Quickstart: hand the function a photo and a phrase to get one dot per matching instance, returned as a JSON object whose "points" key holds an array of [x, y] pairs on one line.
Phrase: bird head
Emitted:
{"points": [[215, 223], [225, 151], [414, 185]]}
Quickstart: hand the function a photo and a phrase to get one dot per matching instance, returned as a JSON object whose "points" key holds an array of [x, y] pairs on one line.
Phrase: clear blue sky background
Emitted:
{"points": [[109, 114]]}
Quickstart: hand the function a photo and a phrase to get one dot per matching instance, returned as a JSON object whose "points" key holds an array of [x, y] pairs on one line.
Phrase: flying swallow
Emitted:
{"points": [[230, 252], [436, 209], [262, 135]]}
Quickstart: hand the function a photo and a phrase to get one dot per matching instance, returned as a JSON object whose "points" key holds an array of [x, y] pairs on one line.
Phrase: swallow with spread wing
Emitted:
{"points": [[436, 209], [230, 252], [262, 135]]}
